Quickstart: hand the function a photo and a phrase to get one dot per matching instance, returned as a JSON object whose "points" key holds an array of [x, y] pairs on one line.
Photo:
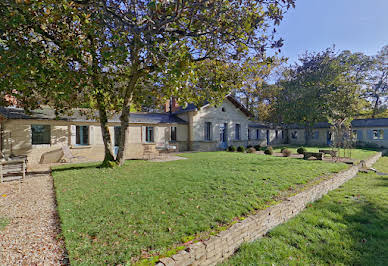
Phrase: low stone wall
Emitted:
{"points": [[219, 248]]}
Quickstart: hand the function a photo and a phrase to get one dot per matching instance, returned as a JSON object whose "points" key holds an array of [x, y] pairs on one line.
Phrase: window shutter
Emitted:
{"points": [[73, 134], [91, 135], [359, 135], [385, 134], [143, 134], [370, 134]]}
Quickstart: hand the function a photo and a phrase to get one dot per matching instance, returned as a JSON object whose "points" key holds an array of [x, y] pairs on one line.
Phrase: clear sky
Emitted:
{"points": [[355, 25]]}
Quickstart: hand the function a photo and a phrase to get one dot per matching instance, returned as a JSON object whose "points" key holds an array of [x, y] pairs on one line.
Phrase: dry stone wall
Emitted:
{"points": [[218, 248]]}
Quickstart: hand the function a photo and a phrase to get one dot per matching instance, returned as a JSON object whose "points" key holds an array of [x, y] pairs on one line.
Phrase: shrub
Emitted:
{"points": [[301, 150], [249, 146], [257, 147], [232, 148], [286, 152], [268, 150], [282, 149], [251, 150], [240, 149]]}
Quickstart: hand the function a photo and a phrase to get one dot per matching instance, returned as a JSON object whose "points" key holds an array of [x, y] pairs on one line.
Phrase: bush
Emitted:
{"points": [[301, 150], [232, 148], [268, 150], [282, 149], [257, 147], [286, 152], [251, 150], [249, 146], [240, 149]]}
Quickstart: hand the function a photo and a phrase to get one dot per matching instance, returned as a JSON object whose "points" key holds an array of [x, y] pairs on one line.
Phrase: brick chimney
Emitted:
{"points": [[171, 104], [11, 100]]}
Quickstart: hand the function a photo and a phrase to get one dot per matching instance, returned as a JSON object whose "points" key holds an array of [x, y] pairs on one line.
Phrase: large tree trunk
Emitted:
{"points": [[376, 106], [124, 118], [106, 138]]}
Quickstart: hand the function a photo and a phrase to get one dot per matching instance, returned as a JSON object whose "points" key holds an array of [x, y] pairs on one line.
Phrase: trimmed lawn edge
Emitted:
{"points": [[224, 243]]}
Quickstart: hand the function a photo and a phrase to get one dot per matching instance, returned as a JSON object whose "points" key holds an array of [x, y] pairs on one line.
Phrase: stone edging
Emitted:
{"points": [[218, 248]]}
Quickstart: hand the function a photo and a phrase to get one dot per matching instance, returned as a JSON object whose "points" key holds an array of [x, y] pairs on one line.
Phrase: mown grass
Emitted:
{"points": [[3, 222], [357, 154], [349, 226], [109, 216]]}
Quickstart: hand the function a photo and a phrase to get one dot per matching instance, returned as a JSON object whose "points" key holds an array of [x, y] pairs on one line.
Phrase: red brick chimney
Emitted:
{"points": [[172, 105]]}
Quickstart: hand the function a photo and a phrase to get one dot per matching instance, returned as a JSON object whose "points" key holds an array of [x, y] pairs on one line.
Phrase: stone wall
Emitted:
{"points": [[218, 248]]}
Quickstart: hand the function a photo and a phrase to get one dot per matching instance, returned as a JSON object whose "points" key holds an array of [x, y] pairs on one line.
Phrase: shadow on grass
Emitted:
{"points": [[76, 167], [369, 231]]}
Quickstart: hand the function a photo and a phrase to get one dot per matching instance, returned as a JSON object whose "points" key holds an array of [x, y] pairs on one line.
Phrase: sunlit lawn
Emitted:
{"points": [[349, 226], [109, 216]]}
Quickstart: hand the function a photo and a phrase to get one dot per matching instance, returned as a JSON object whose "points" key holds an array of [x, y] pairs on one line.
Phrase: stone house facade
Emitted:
{"points": [[205, 128]]}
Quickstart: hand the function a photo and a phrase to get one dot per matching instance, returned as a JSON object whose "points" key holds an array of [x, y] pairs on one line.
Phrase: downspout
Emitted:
{"points": [[1, 138]]}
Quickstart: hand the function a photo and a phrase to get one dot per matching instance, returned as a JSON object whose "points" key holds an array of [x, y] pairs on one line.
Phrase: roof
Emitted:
{"points": [[372, 122], [192, 107], [83, 115], [316, 125]]}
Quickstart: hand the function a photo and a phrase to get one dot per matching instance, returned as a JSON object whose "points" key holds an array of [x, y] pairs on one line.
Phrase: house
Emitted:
{"points": [[320, 135], [371, 131], [193, 128]]}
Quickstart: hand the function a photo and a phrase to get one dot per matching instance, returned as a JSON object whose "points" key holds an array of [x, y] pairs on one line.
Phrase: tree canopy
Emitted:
{"points": [[114, 54]]}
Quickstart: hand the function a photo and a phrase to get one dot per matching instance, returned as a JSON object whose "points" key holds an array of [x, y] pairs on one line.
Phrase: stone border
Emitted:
{"points": [[218, 248]]}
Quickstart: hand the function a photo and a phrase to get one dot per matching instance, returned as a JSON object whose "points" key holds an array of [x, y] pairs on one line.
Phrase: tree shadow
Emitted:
{"points": [[369, 230]]}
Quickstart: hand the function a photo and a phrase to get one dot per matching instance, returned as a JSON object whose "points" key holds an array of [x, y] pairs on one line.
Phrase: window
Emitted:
{"points": [[276, 134], [173, 133], [294, 134], [82, 135], [149, 134], [223, 109], [208, 130], [117, 136], [238, 131], [257, 133], [249, 134], [41, 134], [378, 134], [315, 135]]}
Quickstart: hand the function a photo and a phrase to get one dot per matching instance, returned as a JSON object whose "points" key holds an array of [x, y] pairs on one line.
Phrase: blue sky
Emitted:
{"points": [[355, 25]]}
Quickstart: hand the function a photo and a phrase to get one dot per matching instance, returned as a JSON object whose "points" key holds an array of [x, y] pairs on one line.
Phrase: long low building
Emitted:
{"points": [[204, 128]]}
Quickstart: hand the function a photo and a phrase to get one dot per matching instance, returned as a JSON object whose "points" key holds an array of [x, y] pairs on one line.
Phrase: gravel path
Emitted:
{"points": [[31, 236]]}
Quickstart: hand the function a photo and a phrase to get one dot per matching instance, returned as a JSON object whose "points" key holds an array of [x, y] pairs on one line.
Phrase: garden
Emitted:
{"points": [[346, 227], [146, 210]]}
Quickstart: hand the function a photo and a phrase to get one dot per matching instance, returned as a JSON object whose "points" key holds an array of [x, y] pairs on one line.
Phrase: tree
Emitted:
{"points": [[254, 92], [124, 50], [324, 87], [377, 88]]}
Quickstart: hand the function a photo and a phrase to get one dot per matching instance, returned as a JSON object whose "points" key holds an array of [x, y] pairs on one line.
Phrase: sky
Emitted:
{"points": [[314, 25]]}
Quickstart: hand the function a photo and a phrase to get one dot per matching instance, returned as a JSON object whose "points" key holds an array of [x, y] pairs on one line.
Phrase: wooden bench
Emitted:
{"points": [[317, 155], [12, 170], [329, 152]]}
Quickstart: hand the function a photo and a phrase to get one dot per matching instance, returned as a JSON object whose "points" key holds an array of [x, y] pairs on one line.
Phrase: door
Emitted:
{"points": [[328, 137], [117, 137], [223, 136]]}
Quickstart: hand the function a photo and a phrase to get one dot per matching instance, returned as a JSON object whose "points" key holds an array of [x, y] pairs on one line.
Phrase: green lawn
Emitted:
{"points": [[3, 223], [358, 154], [349, 226], [109, 216]]}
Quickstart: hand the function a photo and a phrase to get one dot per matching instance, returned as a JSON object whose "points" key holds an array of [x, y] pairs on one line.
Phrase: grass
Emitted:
{"points": [[347, 227], [110, 216], [358, 154], [3, 222]]}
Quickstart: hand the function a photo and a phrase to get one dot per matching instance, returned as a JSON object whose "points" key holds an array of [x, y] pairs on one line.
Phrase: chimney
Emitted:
{"points": [[171, 105]]}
